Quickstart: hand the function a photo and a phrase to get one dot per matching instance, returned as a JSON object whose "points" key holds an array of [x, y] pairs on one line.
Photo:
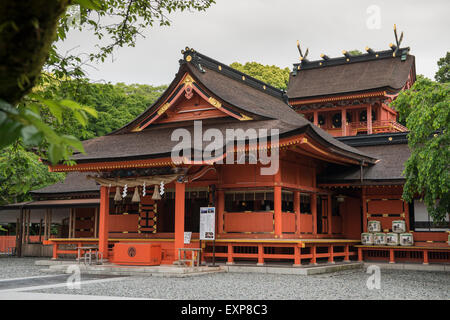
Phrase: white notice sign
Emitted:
{"points": [[187, 237], [207, 223]]}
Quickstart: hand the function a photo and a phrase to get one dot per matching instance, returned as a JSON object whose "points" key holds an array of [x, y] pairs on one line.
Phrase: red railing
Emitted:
{"points": [[299, 252]]}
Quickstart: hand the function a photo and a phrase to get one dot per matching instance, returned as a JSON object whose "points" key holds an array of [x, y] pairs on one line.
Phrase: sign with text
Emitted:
{"points": [[187, 237], [207, 223]]}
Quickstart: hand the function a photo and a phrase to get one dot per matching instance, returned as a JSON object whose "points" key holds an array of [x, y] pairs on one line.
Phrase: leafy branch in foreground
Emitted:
{"points": [[29, 31], [426, 109]]}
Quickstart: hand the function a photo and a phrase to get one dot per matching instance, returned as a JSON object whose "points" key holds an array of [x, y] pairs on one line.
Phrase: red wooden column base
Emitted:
{"points": [[297, 260], [55, 251], [391, 256], [230, 255], [425, 256], [179, 217], [331, 252], [314, 258], [260, 255], [360, 254], [347, 255], [103, 233]]}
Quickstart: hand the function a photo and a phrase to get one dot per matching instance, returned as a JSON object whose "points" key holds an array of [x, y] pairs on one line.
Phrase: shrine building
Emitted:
{"points": [[333, 138]]}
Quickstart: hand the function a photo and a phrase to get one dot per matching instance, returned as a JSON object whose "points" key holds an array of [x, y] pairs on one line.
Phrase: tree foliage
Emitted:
{"points": [[272, 75], [443, 73], [20, 168], [22, 171], [425, 108], [29, 31]]}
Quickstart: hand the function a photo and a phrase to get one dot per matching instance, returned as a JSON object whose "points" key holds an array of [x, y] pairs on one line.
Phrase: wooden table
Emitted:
{"points": [[88, 254], [195, 256]]}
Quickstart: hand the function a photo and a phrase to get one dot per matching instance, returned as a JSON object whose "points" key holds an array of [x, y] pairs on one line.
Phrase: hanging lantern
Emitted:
{"points": [[117, 196], [156, 195], [136, 197]]}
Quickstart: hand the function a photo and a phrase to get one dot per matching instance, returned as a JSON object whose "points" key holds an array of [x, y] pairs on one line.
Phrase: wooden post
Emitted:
{"points": [[360, 254], [344, 122], [49, 229], [74, 222], [297, 254], [28, 225], [104, 221], [220, 210], [277, 212], [230, 254], [391, 256], [406, 213], [260, 255], [180, 189], [45, 223], [297, 212], [425, 256], [316, 118], [331, 252], [314, 212], [70, 223], [347, 255], [19, 238], [96, 222], [314, 252], [364, 209], [330, 216], [369, 119], [40, 231]]}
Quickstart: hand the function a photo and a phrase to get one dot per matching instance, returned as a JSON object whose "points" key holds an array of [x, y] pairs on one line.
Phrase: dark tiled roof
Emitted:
{"points": [[265, 104], [341, 77], [75, 182], [389, 167]]}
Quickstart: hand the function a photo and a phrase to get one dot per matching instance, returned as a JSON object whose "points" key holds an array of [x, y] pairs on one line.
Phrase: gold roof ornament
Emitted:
{"points": [[215, 103]]}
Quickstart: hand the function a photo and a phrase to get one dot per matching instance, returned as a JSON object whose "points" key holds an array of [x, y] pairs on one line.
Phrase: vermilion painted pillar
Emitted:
{"points": [[297, 211], [314, 212], [316, 118], [103, 221], [220, 210], [330, 216], [277, 211], [369, 119], [364, 209], [344, 122], [179, 216]]}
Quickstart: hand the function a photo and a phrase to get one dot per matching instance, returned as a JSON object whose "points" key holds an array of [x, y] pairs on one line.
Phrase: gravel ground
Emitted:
{"points": [[350, 284], [18, 268]]}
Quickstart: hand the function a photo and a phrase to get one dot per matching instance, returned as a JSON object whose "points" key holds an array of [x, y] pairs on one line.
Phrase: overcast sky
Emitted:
{"points": [[266, 31]]}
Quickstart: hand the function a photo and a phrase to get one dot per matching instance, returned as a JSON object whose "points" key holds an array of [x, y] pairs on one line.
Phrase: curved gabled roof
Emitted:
{"points": [[265, 105], [362, 73]]}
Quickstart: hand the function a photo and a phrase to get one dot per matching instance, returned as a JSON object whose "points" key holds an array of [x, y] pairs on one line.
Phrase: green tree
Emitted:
{"points": [[20, 172], [425, 108], [272, 75], [29, 31], [443, 73]]}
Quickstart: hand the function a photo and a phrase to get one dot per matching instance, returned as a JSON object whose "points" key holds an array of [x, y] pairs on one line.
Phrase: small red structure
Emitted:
{"points": [[137, 254]]}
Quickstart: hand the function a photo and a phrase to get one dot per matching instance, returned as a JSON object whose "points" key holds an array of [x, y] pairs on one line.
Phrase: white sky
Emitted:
{"points": [[266, 31]]}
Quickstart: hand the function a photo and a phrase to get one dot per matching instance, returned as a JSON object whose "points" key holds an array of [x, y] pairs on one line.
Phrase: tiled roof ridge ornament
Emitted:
{"points": [[191, 56], [395, 51], [302, 56], [398, 41]]}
